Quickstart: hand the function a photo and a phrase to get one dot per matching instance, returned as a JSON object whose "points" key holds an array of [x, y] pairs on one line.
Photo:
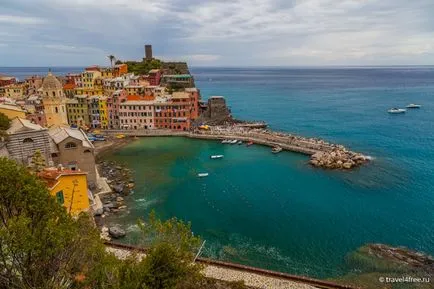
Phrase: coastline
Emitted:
{"points": [[322, 153]]}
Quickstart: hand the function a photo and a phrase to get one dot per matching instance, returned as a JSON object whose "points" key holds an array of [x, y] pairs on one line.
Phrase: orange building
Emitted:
{"points": [[120, 69]]}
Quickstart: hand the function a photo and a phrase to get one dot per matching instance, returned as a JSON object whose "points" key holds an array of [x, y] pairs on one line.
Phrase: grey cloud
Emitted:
{"points": [[236, 32]]}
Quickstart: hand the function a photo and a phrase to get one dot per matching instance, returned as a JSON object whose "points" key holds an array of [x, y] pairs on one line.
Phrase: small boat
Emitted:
{"points": [[234, 141], [396, 110], [276, 150], [249, 143], [225, 141], [412, 105], [202, 175], [240, 142], [217, 157]]}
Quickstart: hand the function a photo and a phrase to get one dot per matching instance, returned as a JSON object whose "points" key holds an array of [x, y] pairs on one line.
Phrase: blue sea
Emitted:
{"points": [[275, 211]]}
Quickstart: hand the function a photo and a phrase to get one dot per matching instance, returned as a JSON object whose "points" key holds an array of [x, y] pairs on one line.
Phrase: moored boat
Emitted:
{"points": [[240, 142], [216, 156], [225, 141], [234, 141], [396, 110], [276, 149], [202, 175], [249, 143], [412, 105]]}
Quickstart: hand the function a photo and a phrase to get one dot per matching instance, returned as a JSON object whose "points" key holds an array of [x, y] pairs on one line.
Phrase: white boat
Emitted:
{"points": [[234, 141], [225, 141], [217, 156], [396, 110], [412, 105], [202, 175], [240, 142], [276, 150]]}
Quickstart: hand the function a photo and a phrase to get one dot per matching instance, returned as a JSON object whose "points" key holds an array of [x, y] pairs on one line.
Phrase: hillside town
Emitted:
{"points": [[51, 119]]}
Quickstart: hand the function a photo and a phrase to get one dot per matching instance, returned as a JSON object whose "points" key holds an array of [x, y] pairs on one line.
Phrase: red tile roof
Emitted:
{"points": [[69, 86]]}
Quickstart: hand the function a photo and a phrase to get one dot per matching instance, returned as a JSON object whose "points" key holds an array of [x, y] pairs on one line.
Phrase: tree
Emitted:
{"points": [[41, 246], [4, 122], [38, 162], [111, 58]]}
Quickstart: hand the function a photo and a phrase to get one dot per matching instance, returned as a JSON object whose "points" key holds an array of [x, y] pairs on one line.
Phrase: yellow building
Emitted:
{"points": [[54, 101], [12, 111], [15, 91], [69, 188], [107, 73], [103, 111]]}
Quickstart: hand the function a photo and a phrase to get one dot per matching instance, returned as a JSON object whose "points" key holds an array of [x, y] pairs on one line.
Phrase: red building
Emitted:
{"points": [[113, 106], [178, 112], [154, 77], [7, 80]]}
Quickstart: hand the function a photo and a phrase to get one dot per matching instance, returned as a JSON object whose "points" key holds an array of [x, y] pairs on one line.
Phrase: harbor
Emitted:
{"points": [[322, 153]]}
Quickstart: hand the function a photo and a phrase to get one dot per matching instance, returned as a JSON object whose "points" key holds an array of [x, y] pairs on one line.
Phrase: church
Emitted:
{"points": [[54, 101]]}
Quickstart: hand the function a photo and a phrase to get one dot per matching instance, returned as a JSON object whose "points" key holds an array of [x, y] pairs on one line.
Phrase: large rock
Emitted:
{"points": [[347, 165], [118, 188], [116, 232]]}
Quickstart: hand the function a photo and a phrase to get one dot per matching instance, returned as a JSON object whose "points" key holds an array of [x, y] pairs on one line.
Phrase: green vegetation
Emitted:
{"points": [[4, 122], [142, 67], [38, 162], [43, 247]]}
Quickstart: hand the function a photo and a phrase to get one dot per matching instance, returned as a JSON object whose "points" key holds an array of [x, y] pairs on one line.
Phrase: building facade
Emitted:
{"points": [[54, 101], [69, 188], [136, 113], [25, 138], [113, 104], [74, 151]]}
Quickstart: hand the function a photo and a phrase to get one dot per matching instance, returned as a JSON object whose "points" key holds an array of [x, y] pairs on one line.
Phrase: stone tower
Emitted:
{"points": [[148, 52], [54, 101]]}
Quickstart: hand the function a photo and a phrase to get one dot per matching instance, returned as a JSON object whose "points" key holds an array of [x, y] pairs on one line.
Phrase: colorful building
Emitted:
{"points": [[137, 113], [69, 188], [135, 90], [54, 101], [154, 77], [7, 80], [16, 91], [93, 110], [77, 108], [103, 111], [120, 69], [12, 111], [113, 104]]}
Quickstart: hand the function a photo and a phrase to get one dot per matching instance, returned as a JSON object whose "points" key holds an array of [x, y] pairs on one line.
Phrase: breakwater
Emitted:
{"points": [[323, 154]]}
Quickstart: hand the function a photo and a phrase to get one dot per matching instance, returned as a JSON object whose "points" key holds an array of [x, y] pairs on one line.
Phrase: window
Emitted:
{"points": [[27, 140], [70, 145], [54, 93], [54, 155], [56, 109], [59, 197]]}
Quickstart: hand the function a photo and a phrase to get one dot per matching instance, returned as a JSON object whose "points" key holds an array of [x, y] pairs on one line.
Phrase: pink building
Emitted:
{"points": [[154, 77], [113, 104], [136, 113]]}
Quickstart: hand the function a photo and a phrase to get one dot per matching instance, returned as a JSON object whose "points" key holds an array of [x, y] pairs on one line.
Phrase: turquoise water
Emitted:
{"points": [[276, 212]]}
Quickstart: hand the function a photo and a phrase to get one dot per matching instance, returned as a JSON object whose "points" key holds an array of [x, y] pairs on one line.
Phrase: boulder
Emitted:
{"points": [[116, 232], [118, 188], [119, 199], [347, 165], [98, 212]]}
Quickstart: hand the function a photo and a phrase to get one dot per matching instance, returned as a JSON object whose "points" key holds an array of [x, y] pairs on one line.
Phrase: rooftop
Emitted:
{"points": [[11, 107], [59, 134], [22, 125], [51, 175]]}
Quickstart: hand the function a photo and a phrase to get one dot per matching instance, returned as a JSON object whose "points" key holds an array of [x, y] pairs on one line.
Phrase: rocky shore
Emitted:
{"points": [[121, 183]]}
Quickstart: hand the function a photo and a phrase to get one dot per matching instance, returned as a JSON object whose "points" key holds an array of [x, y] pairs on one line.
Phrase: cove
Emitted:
{"points": [[270, 211]]}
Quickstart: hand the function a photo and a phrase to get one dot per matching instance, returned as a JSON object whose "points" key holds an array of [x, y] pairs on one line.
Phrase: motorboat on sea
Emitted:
{"points": [[249, 143], [225, 141], [396, 110], [412, 105], [202, 175], [217, 157], [234, 141], [276, 149], [240, 142]]}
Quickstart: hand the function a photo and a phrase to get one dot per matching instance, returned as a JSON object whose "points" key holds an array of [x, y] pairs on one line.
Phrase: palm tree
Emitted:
{"points": [[112, 58]]}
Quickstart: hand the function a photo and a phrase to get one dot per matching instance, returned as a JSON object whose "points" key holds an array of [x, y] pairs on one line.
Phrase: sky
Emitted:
{"points": [[218, 32]]}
